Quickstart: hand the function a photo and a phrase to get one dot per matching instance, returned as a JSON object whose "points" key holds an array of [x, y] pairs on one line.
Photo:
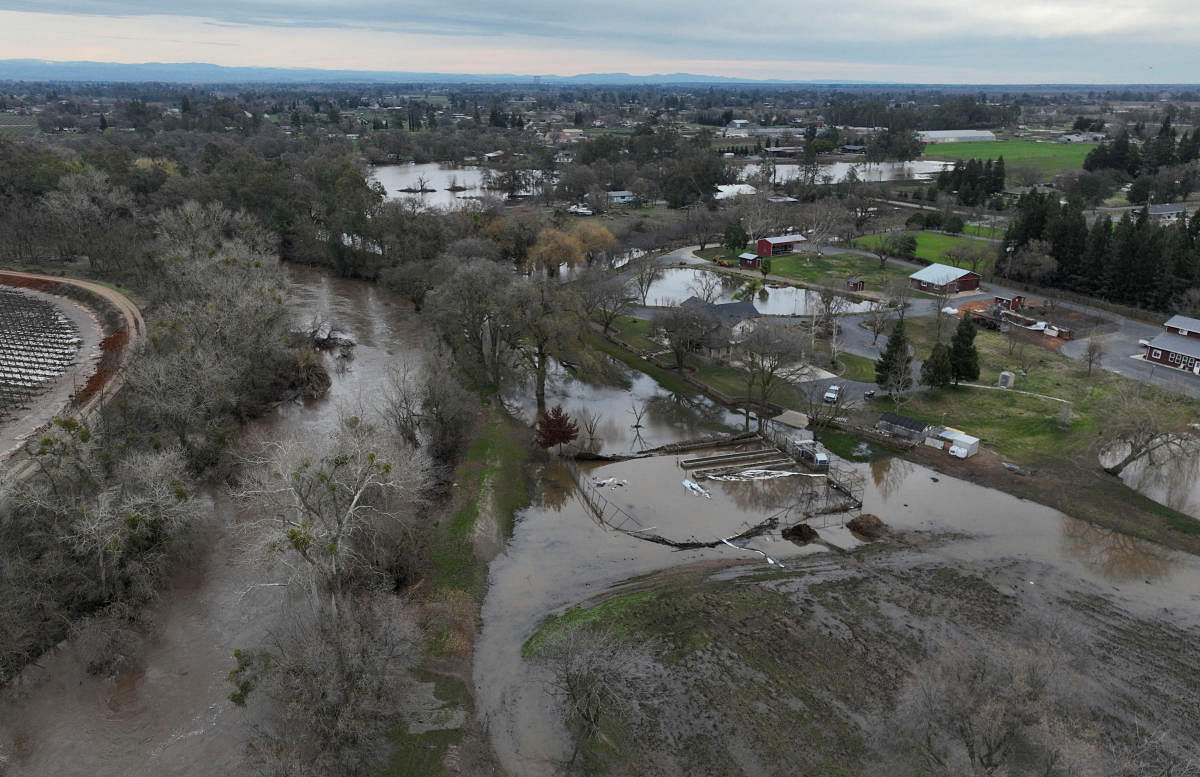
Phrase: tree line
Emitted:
{"points": [[1133, 261]]}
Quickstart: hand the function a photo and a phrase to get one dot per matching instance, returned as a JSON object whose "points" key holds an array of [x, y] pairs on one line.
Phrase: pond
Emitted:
{"points": [[677, 284], [446, 186]]}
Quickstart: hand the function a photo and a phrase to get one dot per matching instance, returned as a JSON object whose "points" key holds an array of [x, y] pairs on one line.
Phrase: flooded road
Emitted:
{"points": [[168, 713], [560, 555]]}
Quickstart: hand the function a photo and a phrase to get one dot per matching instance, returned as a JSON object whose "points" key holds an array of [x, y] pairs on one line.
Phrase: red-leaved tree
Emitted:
{"points": [[555, 428]]}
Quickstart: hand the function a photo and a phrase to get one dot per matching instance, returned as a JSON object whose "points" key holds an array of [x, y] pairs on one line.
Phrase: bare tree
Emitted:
{"points": [[593, 675], [700, 223], [706, 286], [879, 313], [330, 503], [337, 686], [1094, 353], [683, 329], [646, 272], [1144, 423], [771, 356], [980, 709], [822, 220]]}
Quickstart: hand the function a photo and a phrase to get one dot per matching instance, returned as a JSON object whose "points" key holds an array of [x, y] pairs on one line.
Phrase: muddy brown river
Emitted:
{"points": [[167, 713]]}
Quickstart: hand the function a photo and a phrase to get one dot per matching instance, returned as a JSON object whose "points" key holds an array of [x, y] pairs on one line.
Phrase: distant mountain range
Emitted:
{"points": [[202, 73]]}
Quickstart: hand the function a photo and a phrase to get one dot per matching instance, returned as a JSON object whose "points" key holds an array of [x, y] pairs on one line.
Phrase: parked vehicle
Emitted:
{"points": [[869, 394], [833, 393], [811, 455]]}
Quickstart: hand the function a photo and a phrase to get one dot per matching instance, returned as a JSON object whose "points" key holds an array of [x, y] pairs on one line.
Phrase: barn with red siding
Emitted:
{"points": [[1178, 346], [944, 279], [779, 245]]}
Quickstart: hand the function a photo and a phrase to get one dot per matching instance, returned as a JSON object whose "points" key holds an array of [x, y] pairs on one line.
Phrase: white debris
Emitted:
{"points": [[696, 489]]}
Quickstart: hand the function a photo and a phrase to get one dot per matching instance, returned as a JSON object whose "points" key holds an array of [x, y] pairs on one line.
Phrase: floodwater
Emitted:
{"points": [[438, 177], [560, 555], [1172, 480], [632, 411], [836, 172], [677, 284], [168, 713]]}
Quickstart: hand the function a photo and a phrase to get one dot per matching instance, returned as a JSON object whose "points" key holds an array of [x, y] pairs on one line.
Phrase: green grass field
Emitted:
{"points": [[1049, 157], [835, 269], [930, 245]]}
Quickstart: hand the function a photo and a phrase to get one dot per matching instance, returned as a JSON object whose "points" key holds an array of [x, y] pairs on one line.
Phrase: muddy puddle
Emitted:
{"points": [[677, 284], [168, 713], [560, 555]]}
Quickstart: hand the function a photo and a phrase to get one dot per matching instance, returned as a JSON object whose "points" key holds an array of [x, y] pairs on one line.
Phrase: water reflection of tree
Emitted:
{"points": [[1117, 556], [555, 485], [888, 473], [769, 495], [1169, 475]]}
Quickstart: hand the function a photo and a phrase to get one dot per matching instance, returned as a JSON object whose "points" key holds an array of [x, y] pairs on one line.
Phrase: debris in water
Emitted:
{"points": [[758, 474], [801, 534], [696, 489], [867, 525], [755, 550], [935, 480]]}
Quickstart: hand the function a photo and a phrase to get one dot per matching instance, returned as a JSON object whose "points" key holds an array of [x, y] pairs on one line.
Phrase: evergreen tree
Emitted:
{"points": [[964, 357], [893, 369], [937, 370]]}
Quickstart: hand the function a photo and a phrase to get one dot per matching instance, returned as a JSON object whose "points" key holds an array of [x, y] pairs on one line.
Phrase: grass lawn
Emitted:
{"points": [[834, 269], [1029, 429], [857, 368], [636, 332], [1049, 157], [931, 246]]}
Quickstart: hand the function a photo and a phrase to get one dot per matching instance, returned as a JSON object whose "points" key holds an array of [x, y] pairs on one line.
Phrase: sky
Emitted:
{"points": [[912, 41]]}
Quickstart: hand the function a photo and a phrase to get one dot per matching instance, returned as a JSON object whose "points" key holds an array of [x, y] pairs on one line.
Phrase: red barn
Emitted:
{"points": [[779, 245], [944, 279], [1178, 346]]}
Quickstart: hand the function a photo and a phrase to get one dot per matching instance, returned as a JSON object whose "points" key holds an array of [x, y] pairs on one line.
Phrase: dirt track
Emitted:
{"points": [[117, 349]]}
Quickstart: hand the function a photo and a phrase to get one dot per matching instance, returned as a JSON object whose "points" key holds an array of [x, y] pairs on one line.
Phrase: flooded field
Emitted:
{"points": [[435, 178], [168, 713], [632, 411], [836, 172], [677, 284], [577, 558]]}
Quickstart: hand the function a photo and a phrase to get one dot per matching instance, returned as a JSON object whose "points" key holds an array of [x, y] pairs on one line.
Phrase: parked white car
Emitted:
{"points": [[832, 394]]}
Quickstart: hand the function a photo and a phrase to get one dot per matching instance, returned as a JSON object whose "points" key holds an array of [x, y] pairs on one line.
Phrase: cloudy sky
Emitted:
{"points": [[931, 41]]}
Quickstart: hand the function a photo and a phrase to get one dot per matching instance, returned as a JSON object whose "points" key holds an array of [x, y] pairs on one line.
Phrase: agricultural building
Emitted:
{"points": [[1178, 345], [779, 245], [944, 279]]}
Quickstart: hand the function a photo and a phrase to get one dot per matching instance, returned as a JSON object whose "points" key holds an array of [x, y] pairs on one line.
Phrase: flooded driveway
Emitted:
{"points": [[168, 713]]}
